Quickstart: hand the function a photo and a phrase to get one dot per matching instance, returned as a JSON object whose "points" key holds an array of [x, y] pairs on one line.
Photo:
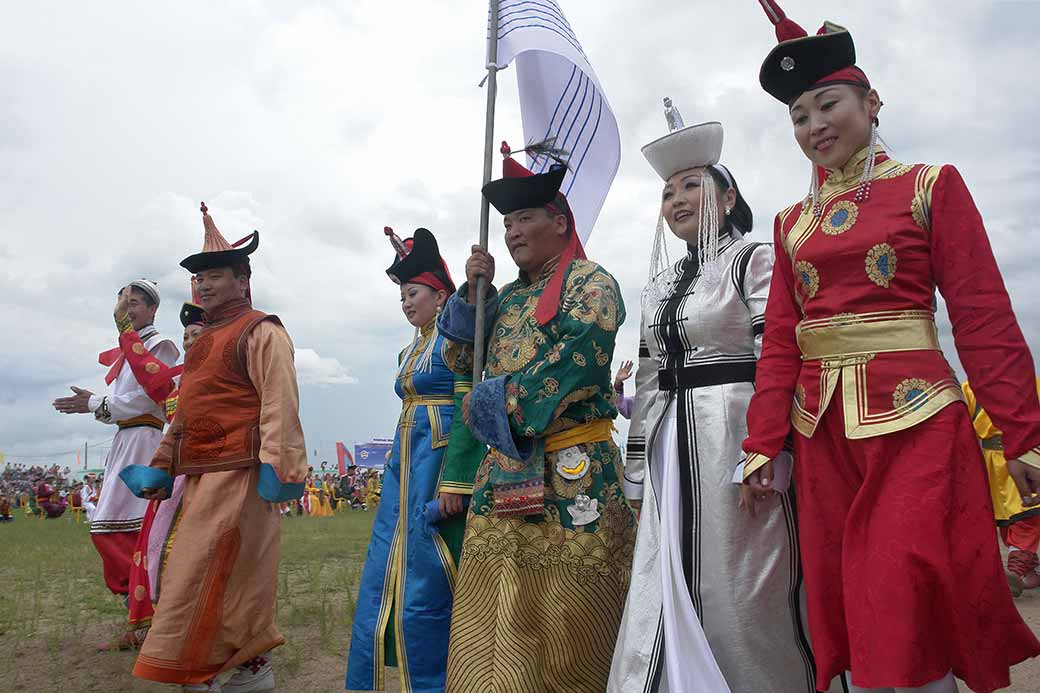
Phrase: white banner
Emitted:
{"points": [[561, 98]]}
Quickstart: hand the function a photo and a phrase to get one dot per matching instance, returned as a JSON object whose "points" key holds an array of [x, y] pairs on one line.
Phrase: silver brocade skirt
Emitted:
{"points": [[738, 576]]}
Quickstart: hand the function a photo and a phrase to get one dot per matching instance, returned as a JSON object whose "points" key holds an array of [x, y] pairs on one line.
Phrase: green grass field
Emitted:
{"points": [[55, 608]]}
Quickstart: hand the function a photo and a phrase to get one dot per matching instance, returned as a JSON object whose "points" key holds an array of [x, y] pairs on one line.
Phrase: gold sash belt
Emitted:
{"points": [[428, 400], [595, 432], [845, 336]]}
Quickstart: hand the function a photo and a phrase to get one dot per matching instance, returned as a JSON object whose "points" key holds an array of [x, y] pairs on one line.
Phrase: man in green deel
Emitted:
{"points": [[546, 557]]}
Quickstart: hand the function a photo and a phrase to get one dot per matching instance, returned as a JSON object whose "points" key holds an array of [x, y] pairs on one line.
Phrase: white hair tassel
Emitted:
{"points": [[659, 283], [708, 231]]}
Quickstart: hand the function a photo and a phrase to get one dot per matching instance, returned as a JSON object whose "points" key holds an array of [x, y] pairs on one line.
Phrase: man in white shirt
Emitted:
{"points": [[116, 521]]}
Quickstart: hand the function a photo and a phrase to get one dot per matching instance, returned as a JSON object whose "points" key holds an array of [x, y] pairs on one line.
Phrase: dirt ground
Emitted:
{"points": [[54, 609]]}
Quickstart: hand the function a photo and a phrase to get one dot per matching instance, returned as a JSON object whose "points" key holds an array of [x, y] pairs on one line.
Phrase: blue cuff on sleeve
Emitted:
{"points": [[489, 422], [432, 510], [458, 320], [273, 490], [138, 477]]}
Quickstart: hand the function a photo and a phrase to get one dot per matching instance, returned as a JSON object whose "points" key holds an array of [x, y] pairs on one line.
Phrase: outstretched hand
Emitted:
{"points": [[623, 374], [78, 403]]}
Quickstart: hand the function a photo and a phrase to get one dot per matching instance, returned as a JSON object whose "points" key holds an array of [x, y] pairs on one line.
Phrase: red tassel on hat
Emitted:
{"points": [[786, 29], [511, 168], [549, 302]]}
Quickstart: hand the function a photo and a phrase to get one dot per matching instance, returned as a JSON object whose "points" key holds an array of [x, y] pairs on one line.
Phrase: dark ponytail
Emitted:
{"points": [[740, 217]]}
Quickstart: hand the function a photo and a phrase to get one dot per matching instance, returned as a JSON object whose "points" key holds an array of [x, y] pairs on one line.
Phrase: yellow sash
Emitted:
{"points": [[595, 432]]}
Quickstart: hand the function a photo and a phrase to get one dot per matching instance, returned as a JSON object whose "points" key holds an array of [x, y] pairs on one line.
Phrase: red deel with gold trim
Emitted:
{"points": [[851, 306]]}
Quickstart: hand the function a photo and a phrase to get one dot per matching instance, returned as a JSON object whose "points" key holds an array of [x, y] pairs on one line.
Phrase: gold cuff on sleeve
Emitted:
{"points": [[123, 323], [754, 461], [455, 487]]}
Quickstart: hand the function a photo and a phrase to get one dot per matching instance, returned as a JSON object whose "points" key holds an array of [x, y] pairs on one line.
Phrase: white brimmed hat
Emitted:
{"points": [[690, 147]]}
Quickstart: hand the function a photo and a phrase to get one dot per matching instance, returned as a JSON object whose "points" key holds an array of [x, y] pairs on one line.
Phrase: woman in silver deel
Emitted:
{"points": [[714, 603]]}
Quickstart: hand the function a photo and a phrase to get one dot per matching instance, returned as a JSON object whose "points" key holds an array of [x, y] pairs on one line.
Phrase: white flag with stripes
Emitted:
{"points": [[561, 98]]}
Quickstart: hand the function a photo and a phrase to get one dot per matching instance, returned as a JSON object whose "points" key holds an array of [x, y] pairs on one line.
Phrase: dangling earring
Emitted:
{"points": [[708, 245], [863, 191]]}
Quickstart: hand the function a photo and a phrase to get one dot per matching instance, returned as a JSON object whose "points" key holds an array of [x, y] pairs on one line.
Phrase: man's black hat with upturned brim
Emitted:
{"points": [[216, 251], [521, 189]]}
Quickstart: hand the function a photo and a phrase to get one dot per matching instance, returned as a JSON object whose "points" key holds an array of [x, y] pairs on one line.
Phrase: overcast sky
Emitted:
{"points": [[320, 122]]}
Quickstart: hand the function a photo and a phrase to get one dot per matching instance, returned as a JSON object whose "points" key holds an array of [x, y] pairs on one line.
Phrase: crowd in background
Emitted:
{"points": [[50, 490], [325, 492], [43, 491]]}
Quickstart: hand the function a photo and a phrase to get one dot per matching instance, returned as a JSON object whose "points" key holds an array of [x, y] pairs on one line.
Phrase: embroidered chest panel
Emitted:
{"points": [[868, 255], [703, 317]]}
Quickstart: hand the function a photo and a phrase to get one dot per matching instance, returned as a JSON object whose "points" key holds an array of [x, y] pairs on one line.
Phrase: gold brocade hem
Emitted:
{"points": [[588, 556], [537, 627], [803, 420], [861, 424]]}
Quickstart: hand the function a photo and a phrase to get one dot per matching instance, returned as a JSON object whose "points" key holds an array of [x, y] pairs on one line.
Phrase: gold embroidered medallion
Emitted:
{"points": [[809, 277], [881, 264], [840, 218], [909, 391]]}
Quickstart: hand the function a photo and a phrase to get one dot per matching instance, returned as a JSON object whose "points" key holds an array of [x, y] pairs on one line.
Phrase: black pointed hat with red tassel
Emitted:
{"points": [[801, 62], [418, 260], [518, 189]]}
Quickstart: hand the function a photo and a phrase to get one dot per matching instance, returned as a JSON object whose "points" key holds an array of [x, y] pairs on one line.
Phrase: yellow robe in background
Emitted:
{"points": [[1007, 503], [318, 507], [372, 492]]}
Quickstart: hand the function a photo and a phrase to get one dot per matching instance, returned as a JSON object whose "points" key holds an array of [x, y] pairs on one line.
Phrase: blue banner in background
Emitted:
{"points": [[372, 454]]}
